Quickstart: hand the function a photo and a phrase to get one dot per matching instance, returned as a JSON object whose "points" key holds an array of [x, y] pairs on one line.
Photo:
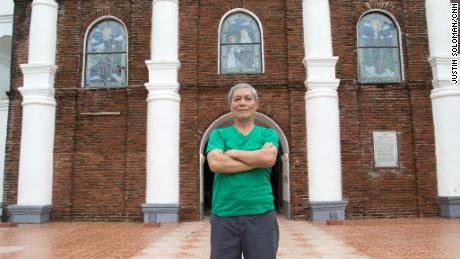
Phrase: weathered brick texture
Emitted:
{"points": [[100, 143]]}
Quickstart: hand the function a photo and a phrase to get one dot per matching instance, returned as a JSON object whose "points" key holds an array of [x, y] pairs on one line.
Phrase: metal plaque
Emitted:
{"points": [[385, 149]]}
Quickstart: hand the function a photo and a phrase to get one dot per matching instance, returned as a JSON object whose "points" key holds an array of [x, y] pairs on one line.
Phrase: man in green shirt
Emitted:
{"points": [[243, 219]]}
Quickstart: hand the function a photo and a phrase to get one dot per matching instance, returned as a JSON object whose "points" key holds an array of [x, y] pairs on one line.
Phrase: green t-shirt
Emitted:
{"points": [[248, 192]]}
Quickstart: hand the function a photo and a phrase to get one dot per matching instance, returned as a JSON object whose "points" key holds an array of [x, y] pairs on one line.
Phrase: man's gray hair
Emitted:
{"points": [[242, 85]]}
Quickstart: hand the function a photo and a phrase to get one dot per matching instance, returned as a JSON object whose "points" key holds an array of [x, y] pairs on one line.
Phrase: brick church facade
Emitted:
{"points": [[109, 160]]}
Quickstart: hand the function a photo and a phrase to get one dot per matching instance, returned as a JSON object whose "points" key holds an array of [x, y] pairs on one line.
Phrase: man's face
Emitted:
{"points": [[243, 105]]}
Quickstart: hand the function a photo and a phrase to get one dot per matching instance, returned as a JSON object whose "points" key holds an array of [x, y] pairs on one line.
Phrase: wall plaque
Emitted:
{"points": [[385, 149]]}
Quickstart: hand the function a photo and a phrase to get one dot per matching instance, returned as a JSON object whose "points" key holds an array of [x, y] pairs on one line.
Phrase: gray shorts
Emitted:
{"points": [[254, 236]]}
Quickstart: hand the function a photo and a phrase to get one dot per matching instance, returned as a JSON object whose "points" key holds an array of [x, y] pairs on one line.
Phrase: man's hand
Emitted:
{"points": [[268, 145]]}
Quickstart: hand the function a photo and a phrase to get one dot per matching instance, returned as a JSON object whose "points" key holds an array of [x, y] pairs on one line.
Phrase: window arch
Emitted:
{"points": [[106, 54], [240, 43], [379, 49]]}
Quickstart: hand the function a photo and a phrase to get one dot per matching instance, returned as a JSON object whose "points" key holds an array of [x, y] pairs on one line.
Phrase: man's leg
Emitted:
{"points": [[225, 238], [260, 235]]}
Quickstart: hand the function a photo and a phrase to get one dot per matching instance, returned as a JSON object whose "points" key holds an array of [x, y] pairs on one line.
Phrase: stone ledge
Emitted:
{"points": [[29, 214], [160, 213], [450, 207], [328, 210]]}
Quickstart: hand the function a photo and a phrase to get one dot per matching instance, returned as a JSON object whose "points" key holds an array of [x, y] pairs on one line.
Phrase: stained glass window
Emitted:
{"points": [[106, 55], [378, 50], [240, 45]]}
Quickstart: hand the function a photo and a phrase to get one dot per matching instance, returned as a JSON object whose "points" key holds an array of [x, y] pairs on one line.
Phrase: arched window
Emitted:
{"points": [[5, 66], [106, 55], [379, 53], [240, 45]]}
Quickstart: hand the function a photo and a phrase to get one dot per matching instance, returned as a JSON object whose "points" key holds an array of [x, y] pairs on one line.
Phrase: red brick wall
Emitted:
{"points": [[272, 17], [410, 189], [99, 161]]}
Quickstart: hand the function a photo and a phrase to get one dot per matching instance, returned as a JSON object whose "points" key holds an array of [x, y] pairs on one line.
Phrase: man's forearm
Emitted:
{"points": [[261, 158], [221, 163]]}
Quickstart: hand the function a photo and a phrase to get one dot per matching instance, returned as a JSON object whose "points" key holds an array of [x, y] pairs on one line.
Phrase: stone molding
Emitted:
{"points": [[38, 96], [172, 1], [163, 75], [4, 104], [324, 65], [322, 84], [321, 72], [446, 91], [155, 95], [440, 66], [29, 214], [38, 68], [321, 93], [50, 3], [163, 63], [161, 213], [6, 19], [38, 75], [450, 207], [5, 61], [328, 210]]}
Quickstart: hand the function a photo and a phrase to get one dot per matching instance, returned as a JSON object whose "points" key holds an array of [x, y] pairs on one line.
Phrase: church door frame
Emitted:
{"points": [[261, 120]]}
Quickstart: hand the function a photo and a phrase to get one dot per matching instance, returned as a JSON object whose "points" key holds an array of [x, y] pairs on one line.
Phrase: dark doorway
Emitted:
{"points": [[276, 179], [208, 179]]}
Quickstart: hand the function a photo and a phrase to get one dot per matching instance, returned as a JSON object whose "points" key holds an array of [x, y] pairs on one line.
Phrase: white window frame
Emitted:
{"points": [[401, 57], [90, 27], [241, 10]]}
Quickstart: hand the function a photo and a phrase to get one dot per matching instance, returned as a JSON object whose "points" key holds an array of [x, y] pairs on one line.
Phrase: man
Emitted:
{"points": [[243, 219]]}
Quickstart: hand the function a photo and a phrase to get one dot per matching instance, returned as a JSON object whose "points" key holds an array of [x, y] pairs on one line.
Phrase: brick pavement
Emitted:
{"points": [[382, 238]]}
